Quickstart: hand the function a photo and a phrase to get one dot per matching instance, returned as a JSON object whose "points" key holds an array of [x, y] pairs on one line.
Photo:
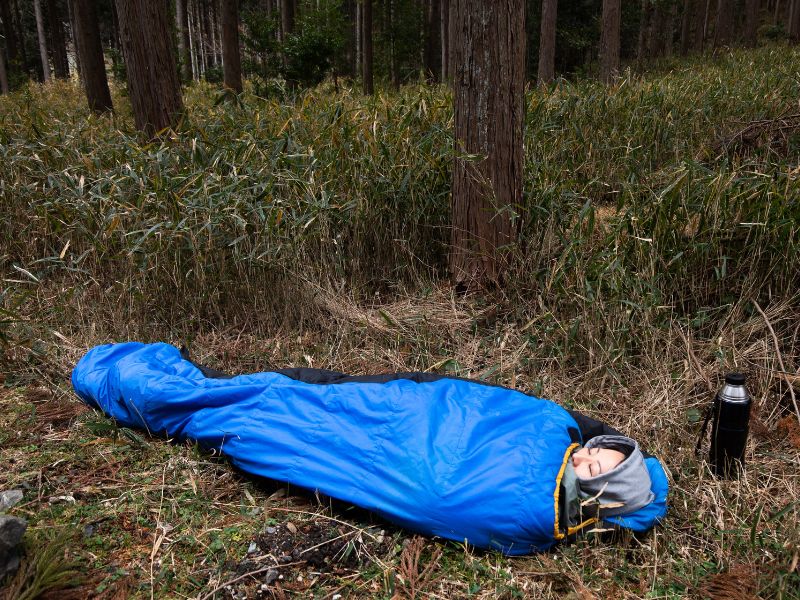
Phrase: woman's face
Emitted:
{"points": [[591, 462]]}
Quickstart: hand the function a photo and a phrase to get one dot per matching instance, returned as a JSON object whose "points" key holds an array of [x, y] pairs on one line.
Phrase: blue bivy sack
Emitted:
{"points": [[442, 456]]}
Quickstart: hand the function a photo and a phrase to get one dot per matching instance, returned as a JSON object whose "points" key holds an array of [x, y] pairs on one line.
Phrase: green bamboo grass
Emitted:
{"points": [[629, 218]]}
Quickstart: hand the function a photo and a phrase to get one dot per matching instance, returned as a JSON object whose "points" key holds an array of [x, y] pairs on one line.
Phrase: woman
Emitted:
{"points": [[442, 456]]}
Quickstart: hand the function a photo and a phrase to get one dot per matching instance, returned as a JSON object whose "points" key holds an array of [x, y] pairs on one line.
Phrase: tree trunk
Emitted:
{"points": [[432, 41], [369, 87], [723, 33], [182, 18], [752, 10], [287, 18], [90, 55], [686, 26], [42, 33], [794, 22], [609, 40], [153, 83], [58, 43], [73, 30], [706, 21], [547, 42], [20, 34], [3, 73], [488, 81], [645, 19], [656, 31], [444, 6], [669, 29], [8, 31], [359, 46], [231, 60]]}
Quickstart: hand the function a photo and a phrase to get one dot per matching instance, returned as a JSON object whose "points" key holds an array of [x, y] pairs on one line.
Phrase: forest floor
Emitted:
{"points": [[135, 516]]}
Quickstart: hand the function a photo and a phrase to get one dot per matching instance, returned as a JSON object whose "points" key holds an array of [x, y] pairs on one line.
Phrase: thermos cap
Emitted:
{"points": [[735, 378]]}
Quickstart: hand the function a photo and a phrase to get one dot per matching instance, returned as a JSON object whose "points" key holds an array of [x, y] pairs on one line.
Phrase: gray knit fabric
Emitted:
{"points": [[629, 482]]}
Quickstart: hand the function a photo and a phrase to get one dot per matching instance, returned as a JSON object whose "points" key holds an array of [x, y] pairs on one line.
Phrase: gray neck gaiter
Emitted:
{"points": [[628, 483]]}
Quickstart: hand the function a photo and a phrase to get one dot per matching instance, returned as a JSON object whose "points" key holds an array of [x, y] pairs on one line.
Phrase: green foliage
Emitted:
{"points": [[306, 56]]}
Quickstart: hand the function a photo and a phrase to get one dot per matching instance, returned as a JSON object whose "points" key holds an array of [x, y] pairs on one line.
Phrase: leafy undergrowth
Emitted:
{"points": [[145, 517]]}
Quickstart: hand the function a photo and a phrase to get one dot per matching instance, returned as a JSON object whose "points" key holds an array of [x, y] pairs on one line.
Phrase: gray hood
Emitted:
{"points": [[628, 483]]}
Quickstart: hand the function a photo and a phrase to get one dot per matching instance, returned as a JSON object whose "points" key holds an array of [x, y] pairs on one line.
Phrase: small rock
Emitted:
{"points": [[60, 499], [271, 576], [252, 548], [271, 530], [336, 597], [11, 532], [285, 558], [291, 527], [9, 498], [88, 530]]}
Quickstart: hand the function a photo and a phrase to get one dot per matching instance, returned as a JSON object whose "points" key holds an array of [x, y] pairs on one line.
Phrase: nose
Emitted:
{"points": [[579, 458]]}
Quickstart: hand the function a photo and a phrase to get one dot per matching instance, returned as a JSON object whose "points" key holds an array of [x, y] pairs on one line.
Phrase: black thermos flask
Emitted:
{"points": [[729, 427]]}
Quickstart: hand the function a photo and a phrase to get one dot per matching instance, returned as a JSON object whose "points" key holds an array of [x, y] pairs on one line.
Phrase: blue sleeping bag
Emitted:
{"points": [[441, 456]]}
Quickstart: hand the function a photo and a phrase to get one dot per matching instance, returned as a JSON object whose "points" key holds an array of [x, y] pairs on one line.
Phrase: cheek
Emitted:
{"points": [[582, 470]]}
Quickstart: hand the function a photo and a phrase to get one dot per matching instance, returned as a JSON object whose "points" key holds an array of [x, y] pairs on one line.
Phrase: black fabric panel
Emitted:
{"points": [[206, 371]]}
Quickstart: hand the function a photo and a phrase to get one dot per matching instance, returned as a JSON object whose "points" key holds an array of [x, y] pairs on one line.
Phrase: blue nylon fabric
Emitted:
{"points": [[451, 458]]}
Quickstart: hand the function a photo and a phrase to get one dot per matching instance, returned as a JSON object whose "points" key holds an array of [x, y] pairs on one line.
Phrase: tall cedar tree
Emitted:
{"points": [[90, 55], [153, 83], [432, 53], [609, 40], [3, 73], [369, 85], [58, 45], [8, 31], [41, 32], [287, 18], [488, 82], [444, 9], [751, 22], [231, 61], [794, 22], [547, 42], [182, 19], [723, 34]]}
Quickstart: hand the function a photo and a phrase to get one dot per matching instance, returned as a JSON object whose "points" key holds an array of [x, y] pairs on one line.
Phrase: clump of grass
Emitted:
{"points": [[46, 567]]}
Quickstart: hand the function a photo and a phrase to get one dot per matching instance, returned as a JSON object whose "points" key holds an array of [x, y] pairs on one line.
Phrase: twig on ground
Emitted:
{"points": [[780, 359]]}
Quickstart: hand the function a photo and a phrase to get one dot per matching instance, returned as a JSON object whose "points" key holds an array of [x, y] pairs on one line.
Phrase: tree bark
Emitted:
{"points": [[609, 40], [153, 83], [723, 33], [90, 55], [182, 18], [488, 81], [287, 18], [231, 61], [752, 9], [645, 20], [444, 6], [656, 32], [669, 29], [8, 31], [432, 41], [58, 43], [359, 64], [686, 26], [3, 73], [794, 22], [547, 42], [42, 34], [369, 86]]}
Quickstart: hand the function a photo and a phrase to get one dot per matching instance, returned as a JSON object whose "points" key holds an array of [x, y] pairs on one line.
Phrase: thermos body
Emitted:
{"points": [[730, 426]]}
